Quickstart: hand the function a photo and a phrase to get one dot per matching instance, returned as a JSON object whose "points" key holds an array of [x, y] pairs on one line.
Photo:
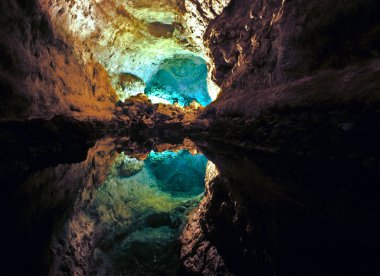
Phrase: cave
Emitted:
{"points": [[223, 137], [182, 80]]}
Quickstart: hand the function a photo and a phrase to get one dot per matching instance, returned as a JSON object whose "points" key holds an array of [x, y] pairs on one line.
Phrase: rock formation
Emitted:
{"points": [[41, 76], [134, 37], [276, 53], [293, 132], [300, 82]]}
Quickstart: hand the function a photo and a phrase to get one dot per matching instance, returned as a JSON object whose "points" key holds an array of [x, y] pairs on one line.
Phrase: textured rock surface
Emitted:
{"points": [[61, 57], [133, 37], [39, 74], [139, 114], [260, 44], [300, 99], [181, 79], [262, 49], [199, 255]]}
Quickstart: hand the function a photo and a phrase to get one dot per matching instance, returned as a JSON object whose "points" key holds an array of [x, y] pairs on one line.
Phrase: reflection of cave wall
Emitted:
{"points": [[43, 198], [295, 132], [179, 174], [52, 202], [289, 210], [117, 222]]}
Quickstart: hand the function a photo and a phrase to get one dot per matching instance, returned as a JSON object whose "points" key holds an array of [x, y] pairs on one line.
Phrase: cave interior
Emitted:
{"points": [[185, 137]]}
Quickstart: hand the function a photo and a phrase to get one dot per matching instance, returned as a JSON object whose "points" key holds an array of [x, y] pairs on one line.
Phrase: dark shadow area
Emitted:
{"points": [[298, 191]]}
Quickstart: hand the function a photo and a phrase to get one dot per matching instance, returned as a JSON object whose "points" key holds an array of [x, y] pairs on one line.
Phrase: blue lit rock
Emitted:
{"points": [[128, 166], [142, 215], [134, 37], [181, 79], [179, 174]]}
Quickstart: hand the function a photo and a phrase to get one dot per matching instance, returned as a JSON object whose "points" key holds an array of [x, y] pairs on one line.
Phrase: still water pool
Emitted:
{"points": [[141, 209]]}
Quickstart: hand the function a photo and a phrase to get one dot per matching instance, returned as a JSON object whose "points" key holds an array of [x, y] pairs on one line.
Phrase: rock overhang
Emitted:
{"points": [[136, 38]]}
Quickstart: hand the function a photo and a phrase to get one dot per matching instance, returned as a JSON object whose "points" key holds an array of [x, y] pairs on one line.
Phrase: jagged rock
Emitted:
{"points": [[129, 166], [155, 32]]}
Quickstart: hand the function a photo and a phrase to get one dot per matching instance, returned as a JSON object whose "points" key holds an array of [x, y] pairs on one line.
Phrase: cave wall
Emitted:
{"points": [[262, 49], [294, 135], [39, 74], [134, 37]]}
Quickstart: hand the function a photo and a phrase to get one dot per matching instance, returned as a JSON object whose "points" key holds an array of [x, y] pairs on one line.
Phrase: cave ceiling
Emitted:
{"points": [[134, 38]]}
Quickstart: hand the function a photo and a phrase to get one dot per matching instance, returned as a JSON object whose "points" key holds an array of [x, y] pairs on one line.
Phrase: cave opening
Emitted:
{"points": [[181, 79], [155, 48]]}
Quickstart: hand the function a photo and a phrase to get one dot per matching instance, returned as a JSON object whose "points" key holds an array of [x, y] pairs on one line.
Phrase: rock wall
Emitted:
{"points": [[262, 49], [133, 38], [294, 135], [39, 74]]}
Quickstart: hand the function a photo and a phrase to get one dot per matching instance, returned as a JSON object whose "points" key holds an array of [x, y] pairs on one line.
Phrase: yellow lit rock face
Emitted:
{"points": [[134, 37]]}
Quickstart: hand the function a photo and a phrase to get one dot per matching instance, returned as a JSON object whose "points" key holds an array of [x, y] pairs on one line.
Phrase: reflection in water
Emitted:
{"points": [[129, 224], [118, 212], [122, 213], [141, 209]]}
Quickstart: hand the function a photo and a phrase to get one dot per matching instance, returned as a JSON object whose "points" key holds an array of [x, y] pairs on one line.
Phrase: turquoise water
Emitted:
{"points": [[141, 209], [181, 79]]}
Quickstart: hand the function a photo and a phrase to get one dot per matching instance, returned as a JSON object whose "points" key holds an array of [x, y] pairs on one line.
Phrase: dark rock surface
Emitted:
{"points": [[270, 213], [261, 44], [272, 54], [294, 135]]}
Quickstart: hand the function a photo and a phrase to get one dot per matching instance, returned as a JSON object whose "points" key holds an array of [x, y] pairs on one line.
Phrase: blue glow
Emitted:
{"points": [[178, 173], [181, 79], [142, 208]]}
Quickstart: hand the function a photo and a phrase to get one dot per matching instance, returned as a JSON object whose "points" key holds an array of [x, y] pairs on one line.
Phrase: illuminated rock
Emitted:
{"points": [[136, 37], [128, 166], [180, 174], [180, 79], [141, 216]]}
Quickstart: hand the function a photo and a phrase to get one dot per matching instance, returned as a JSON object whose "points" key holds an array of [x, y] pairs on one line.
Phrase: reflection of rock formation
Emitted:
{"points": [[268, 213], [62, 212], [40, 205], [199, 255], [127, 224]]}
